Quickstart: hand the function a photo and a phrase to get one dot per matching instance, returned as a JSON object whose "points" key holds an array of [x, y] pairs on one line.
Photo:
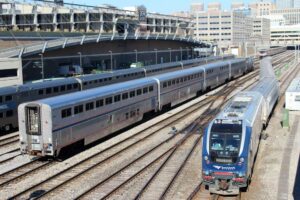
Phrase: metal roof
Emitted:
{"points": [[85, 95], [294, 86]]}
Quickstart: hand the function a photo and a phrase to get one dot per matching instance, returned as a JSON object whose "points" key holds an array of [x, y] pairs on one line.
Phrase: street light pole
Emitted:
{"points": [[170, 54], [42, 60], [187, 52], [111, 60], [155, 55], [181, 53], [136, 55], [80, 59]]}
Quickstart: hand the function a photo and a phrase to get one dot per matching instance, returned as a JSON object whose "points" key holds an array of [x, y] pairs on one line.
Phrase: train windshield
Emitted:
{"points": [[225, 140]]}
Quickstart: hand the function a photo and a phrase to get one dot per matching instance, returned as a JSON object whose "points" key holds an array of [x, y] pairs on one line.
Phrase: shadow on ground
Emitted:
{"points": [[296, 191]]}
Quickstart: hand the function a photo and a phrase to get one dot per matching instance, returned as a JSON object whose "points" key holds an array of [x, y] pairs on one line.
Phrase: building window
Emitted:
{"points": [[8, 73]]}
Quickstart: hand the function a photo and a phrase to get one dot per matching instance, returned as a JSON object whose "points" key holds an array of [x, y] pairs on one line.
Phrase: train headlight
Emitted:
{"points": [[205, 158], [242, 160]]}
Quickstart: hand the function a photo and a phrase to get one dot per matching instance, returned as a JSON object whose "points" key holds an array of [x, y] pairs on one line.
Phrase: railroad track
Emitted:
{"points": [[59, 181], [12, 154], [10, 177], [71, 173], [198, 191]]}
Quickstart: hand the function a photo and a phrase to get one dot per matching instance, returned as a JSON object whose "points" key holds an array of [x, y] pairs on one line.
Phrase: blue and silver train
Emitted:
{"points": [[12, 96], [46, 126], [230, 142]]}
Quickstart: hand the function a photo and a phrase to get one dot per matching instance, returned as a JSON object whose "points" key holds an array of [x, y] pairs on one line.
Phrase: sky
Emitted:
{"points": [[160, 6]]}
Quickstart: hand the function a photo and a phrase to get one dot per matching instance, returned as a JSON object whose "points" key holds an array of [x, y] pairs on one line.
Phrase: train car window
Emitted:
{"points": [[1, 115], [9, 113], [145, 90], [62, 88], [117, 77], [181, 80], [185, 79], [164, 84], [105, 79], [0, 99], [108, 100], [99, 103], [75, 85], [48, 90], [177, 80], [125, 75], [89, 106], [78, 109], [169, 83], [110, 78], [132, 94], [8, 98], [100, 80], [55, 89], [85, 83], [189, 78], [69, 87], [90, 82], [125, 96], [66, 113], [117, 98], [151, 88], [41, 92], [139, 92]]}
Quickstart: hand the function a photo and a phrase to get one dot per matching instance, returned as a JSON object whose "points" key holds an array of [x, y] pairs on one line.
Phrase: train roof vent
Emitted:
{"points": [[232, 115], [238, 107]]}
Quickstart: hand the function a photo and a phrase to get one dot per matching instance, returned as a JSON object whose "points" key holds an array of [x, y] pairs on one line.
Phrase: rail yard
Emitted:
{"points": [[156, 159]]}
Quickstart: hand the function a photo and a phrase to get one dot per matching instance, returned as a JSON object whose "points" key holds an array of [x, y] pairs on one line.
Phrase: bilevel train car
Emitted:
{"points": [[231, 140], [11, 97], [46, 126]]}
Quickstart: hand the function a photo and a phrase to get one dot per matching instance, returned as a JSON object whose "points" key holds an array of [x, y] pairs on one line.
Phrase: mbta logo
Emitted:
{"points": [[223, 168]]}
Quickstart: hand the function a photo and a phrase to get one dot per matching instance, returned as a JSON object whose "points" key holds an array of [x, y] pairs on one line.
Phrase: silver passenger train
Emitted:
{"points": [[231, 141], [11, 97], [46, 126]]}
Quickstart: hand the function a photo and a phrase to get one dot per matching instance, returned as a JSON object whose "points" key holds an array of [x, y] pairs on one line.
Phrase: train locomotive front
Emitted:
{"points": [[224, 167]]}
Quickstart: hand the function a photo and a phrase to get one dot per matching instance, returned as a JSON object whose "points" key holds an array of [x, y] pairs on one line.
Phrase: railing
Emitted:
{"points": [[41, 47]]}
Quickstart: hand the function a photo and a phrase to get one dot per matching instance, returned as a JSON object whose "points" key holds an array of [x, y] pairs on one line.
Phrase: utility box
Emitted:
{"points": [[292, 95]]}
